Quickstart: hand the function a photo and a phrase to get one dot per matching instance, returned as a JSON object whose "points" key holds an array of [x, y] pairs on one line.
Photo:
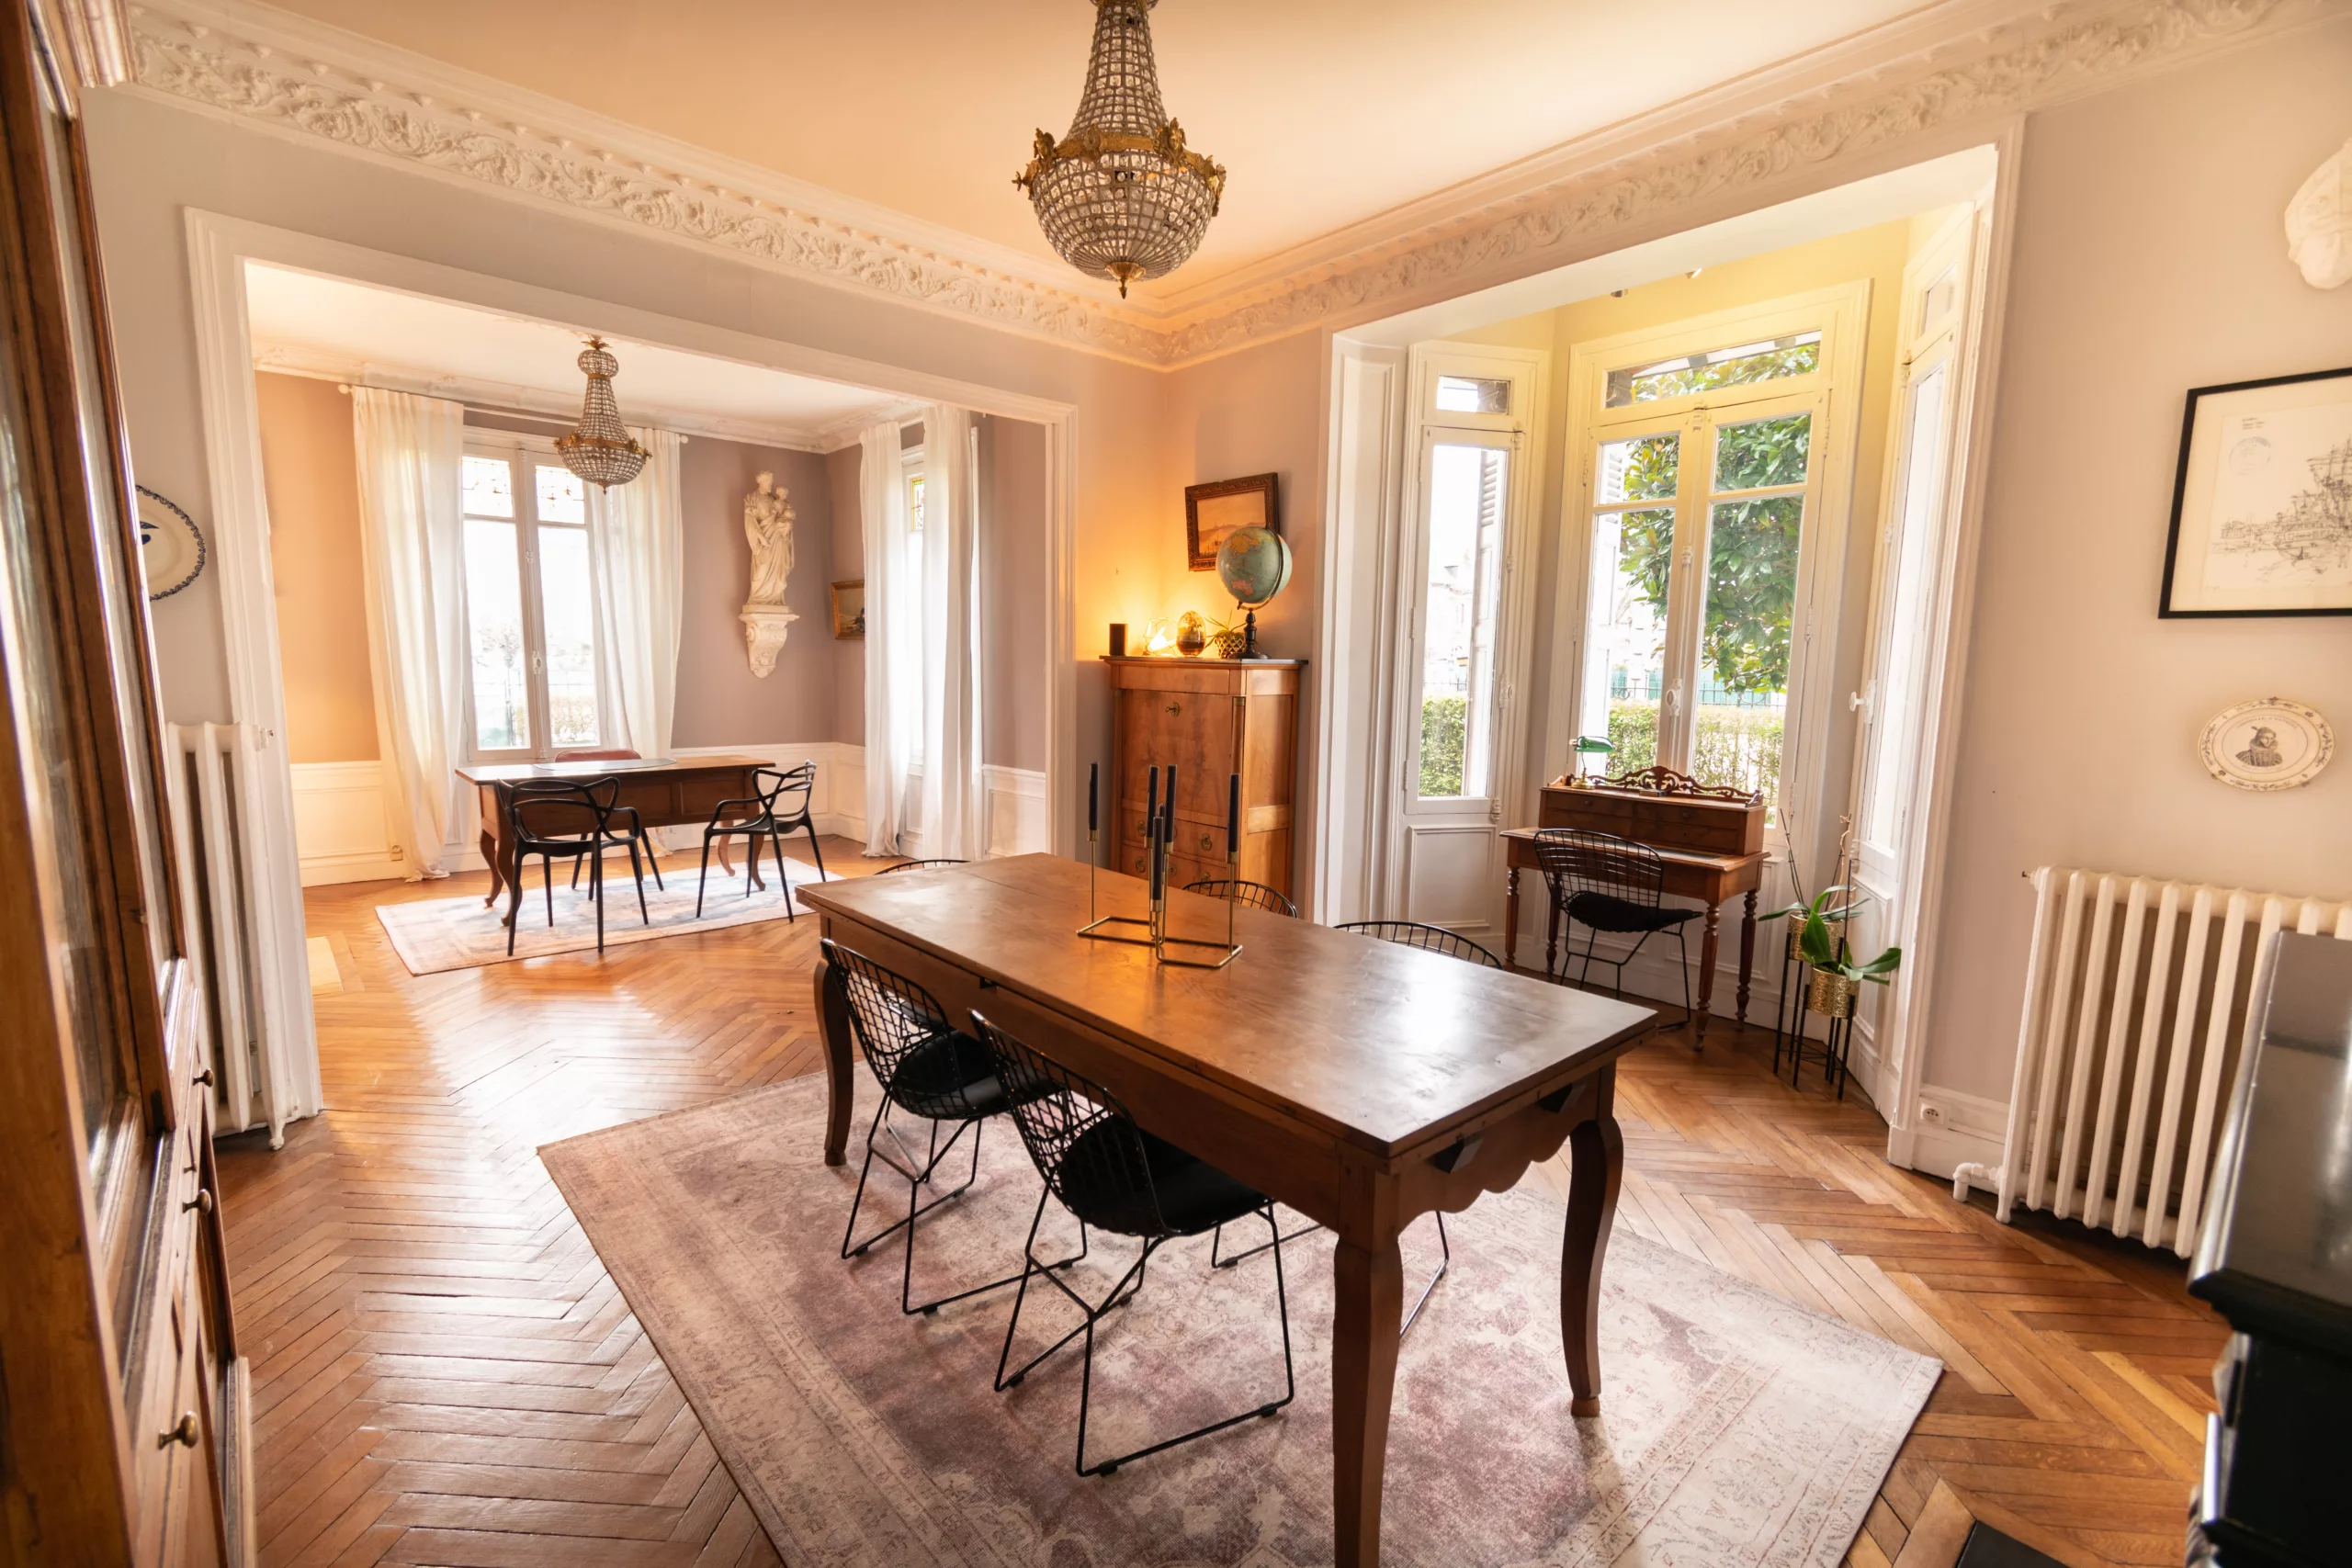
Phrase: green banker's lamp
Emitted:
{"points": [[1254, 566]]}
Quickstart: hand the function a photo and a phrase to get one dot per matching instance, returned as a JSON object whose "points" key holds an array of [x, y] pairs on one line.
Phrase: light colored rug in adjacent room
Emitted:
{"points": [[434, 934], [1740, 1430]]}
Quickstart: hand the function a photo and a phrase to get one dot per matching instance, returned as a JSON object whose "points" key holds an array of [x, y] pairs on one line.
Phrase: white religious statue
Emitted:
{"points": [[768, 525]]}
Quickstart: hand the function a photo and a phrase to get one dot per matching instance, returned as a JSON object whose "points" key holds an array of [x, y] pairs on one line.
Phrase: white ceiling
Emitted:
{"points": [[1326, 112], [305, 322]]}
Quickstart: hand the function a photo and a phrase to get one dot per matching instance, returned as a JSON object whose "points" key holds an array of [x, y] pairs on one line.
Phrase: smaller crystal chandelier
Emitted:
{"points": [[1121, 196], [599, 449]]}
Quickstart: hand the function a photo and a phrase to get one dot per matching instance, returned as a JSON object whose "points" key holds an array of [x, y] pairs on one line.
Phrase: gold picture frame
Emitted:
{"points": [[1214, 511], [849, 609]]}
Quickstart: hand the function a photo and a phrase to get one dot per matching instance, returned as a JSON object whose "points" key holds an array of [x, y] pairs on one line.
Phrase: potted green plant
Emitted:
{"points": [[1818, 935]]}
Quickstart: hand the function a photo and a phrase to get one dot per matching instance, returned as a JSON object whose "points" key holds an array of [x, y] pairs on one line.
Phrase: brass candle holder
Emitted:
{"points": [[1098, 925], [1225, 951]]}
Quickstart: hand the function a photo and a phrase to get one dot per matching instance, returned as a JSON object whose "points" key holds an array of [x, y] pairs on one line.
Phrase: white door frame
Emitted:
{"points": [[1529, 371], [219, 248]]}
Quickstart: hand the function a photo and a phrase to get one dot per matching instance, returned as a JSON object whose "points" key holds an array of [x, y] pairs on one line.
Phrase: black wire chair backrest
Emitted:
{"points": [[893, 1019], [1436, 939], [919, 865], [1578, 861], [784, 792], [1257, 894], [558, 811], [1083, 1140]]}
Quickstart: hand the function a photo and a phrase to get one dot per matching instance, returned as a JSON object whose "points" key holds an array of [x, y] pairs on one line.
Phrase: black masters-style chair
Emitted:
{"points": [[556, 819], [625, 817], [1610, 884], [1116, 1177], [781, 807], [927, 1067], [1256, 895]]}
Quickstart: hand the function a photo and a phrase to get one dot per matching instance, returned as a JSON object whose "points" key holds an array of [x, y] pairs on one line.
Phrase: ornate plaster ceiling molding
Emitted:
{"points": [[1954, 67], [2056, 55], [311, 81]]}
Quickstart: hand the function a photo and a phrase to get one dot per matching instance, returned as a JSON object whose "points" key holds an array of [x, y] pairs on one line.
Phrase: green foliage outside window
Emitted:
{"points": [[1735, 746], [1752, 559], [1445, 726]]}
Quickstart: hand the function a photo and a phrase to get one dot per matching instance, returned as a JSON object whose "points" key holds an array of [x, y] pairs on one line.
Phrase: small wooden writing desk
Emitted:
{"points": [[663, 791], [1711, 879], [1361, 1082]]}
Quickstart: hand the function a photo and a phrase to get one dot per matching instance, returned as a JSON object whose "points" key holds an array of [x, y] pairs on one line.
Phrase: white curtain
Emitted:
{"points": [[636, 532], [952, 793], [893, 638], [412, 506]]}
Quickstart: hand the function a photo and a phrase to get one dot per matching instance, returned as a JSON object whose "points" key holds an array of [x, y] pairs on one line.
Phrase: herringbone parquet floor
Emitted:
{"points": [[444, 1374]]}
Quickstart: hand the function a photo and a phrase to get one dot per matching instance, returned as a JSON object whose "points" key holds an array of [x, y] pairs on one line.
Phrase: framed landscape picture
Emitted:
{"points": [[2262, 503], [1213, 510]]}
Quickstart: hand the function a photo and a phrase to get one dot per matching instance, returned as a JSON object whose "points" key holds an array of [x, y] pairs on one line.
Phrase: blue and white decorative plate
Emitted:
{"points": [[171, 547]]}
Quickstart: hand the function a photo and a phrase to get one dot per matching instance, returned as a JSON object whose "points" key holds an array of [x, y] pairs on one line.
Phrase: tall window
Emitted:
{"points": [[1462, 595], [530, 607], [1703, 471]]}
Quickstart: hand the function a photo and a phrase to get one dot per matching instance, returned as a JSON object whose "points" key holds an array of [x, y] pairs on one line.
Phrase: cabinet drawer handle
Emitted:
{"points": [[1175, 707], [201, 1203], [1209, 842], [186, 1433], [204, 1078]]}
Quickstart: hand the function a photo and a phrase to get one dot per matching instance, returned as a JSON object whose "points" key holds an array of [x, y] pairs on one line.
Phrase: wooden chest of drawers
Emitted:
{"points": [[1211, 718]]}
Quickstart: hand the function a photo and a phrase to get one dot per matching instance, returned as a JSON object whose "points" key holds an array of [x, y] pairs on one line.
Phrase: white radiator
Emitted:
{"points": [[2136, 996], [228, 934]]}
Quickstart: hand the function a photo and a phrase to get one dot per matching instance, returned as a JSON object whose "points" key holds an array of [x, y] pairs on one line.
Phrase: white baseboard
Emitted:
{"points": [[1949, 1129]]}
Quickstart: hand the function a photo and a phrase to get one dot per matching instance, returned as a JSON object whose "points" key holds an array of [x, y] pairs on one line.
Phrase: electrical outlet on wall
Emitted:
{"points": [[1930, 1113]]}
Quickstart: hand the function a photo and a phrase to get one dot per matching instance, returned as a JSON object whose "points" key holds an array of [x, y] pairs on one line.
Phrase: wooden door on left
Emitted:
{"points": [[124, 1426]]}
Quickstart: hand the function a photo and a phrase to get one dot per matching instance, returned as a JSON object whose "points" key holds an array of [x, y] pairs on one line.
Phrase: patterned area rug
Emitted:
{"points": [[434, 934], [1739, 1429]]}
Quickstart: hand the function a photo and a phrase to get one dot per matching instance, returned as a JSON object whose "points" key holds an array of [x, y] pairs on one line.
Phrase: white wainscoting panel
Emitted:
{"points": [[1014, 811], [339, 826]]}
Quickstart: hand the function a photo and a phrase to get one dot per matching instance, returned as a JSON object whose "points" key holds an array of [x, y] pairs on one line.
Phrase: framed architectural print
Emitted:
{"points": [[1213, 510], [2262, 502]]}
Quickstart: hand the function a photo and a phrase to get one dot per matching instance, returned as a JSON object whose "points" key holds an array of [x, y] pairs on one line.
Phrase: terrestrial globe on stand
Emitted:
{"points": [[1254, 566]]}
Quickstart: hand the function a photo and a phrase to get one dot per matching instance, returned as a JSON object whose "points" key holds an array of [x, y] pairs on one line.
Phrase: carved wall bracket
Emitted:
{"points": [[764, 628]]}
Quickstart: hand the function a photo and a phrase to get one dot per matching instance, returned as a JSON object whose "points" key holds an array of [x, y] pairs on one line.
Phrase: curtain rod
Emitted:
{"points": [[500, 410]]}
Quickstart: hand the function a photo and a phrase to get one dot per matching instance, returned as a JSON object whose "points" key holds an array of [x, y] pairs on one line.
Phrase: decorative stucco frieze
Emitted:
{"points": [[2053, 54]]}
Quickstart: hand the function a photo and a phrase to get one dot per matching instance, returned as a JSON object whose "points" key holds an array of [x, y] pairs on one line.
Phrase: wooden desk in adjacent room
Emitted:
{"points": [[1711, 879], [1359, 1082], [665, 792]]}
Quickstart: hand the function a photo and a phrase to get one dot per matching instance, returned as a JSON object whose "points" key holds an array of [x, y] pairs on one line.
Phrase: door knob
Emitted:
{"points": [[201, 1203], [204, 1078], [186, 1433]]}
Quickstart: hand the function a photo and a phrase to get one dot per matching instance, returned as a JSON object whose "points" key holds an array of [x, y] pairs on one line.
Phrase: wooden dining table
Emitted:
{"points": [[665, 792], [1361, 1082]]}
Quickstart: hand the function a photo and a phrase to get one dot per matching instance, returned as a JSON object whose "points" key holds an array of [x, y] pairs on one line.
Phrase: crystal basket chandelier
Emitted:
{"points": [[1121, 196], [599, 449]]}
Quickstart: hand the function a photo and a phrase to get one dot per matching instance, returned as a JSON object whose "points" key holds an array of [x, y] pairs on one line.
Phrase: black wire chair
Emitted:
{"points": [[781, 807], [1432, 939], [919, 865], [1435, 939], [564, 818], [1610, 884], [1114, 1176], [927, 1067], [1256, 895]]}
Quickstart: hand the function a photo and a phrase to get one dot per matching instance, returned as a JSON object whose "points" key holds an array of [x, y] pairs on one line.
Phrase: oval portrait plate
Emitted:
{"points": [[171, 547], [2266, 744]]}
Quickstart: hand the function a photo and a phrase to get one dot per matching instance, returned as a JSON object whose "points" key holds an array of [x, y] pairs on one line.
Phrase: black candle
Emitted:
{"points": [[1093, 787], [1233, 816], [1158, 862], [1151, 806], [1171, 803]]}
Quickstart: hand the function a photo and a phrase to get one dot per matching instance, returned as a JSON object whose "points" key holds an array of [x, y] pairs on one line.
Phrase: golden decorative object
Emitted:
{"points": [[1121, 196], [600, 449], [1831, 995], [1191, 634]]}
